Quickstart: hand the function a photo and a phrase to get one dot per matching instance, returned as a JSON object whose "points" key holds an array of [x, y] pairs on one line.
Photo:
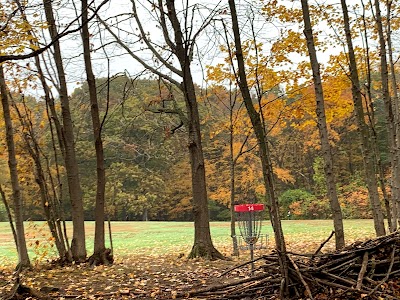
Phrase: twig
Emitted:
{"points": [[362, 271], [301, 277], [323, 244], [350, 282], [239, 266], [337, 285], [387, 274], [221, 286], [371, 272], [345, 263]]}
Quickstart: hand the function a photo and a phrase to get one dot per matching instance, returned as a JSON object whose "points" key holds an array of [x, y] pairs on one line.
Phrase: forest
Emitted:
{"points": [[177, 111]]}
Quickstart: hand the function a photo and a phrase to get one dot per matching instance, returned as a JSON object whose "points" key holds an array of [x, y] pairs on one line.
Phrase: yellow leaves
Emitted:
{"points": [[19, 34], [284, 175]]}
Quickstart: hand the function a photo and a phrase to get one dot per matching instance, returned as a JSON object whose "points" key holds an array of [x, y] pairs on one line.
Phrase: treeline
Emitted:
{"points": [[147, 164]]}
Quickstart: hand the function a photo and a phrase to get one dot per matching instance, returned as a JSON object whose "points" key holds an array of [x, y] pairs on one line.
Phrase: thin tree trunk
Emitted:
{"points": [[40, 178], [12, 164], [323, 131], [78, 246], [52, 118], [232, 164], [367, 144], [368, 134], [100, 254], [386, 98], [272, 200], [57, 197]]}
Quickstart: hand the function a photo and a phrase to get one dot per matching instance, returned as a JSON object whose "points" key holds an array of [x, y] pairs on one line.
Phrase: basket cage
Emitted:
{"points": [[249, 219]]}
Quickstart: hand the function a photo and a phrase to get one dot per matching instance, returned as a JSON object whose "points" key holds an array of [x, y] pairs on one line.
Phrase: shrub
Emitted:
{"points": [[294, 201]]}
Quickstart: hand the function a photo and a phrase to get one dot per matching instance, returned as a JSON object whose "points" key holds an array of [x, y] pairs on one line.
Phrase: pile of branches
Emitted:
{"points": [[364, 270]]}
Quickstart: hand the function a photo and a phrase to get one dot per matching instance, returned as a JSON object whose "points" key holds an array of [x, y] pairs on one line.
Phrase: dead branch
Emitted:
{"points": [[362, 271], [323, 243]]}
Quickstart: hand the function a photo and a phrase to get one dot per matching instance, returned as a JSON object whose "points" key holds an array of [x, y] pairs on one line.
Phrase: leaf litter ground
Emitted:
{"points": [[145, 275]]}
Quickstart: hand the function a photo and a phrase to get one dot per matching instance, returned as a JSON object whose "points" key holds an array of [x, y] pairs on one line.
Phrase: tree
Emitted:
{"points": [[263, 152], [181, 43], [101, 255], [323, 131], [78, 246], [364, 130], [389, 112], [395, 183], [49, 204], [223, 166]]}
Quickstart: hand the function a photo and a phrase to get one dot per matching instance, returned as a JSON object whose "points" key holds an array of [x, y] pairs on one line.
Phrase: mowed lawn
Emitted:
{"points": [[157, 238]]}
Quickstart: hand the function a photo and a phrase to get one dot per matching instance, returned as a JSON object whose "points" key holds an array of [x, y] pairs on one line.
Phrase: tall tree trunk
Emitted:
{"points": [[100, 254], [395, 184], [12, 164], [78, 246], [370, 114], [386, 96], [203, 245], [367, 143], [272, 200], [323, 130]]}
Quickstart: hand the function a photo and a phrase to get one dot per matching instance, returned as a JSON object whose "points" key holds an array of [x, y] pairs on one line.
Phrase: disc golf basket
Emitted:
{"points": [[249, 218]]}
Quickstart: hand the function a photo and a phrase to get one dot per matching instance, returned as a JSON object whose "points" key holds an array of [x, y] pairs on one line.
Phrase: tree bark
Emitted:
{"points": [[395, 183], [272, 200], [390, 118], [78, 246], [323, 131], [23, 258], [232, 164]]}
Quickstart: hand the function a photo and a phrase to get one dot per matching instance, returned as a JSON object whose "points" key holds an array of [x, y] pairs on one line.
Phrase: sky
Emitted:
{"points": [[116, 10]]}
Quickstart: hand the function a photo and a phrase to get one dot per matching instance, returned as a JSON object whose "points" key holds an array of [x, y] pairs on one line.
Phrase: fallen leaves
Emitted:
{"points": [[138, 276]]}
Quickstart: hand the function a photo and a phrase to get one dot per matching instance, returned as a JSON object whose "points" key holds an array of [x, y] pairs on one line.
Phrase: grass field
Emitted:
{"points": [[153, 238]]}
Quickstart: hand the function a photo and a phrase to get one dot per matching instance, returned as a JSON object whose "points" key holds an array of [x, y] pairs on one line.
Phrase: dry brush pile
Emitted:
{"points": [[363, 270]]}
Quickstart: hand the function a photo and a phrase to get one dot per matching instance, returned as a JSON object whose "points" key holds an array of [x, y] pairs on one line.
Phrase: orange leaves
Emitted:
{"points": [[284, 175], [355, 203]]}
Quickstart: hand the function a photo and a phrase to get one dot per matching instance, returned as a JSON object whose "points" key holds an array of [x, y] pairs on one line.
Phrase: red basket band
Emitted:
{"points": [[249, 207]]}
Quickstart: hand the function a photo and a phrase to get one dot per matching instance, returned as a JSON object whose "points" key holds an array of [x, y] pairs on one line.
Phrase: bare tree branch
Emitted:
{"points": [[163, 24], [137, 58], [148, 43]]}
